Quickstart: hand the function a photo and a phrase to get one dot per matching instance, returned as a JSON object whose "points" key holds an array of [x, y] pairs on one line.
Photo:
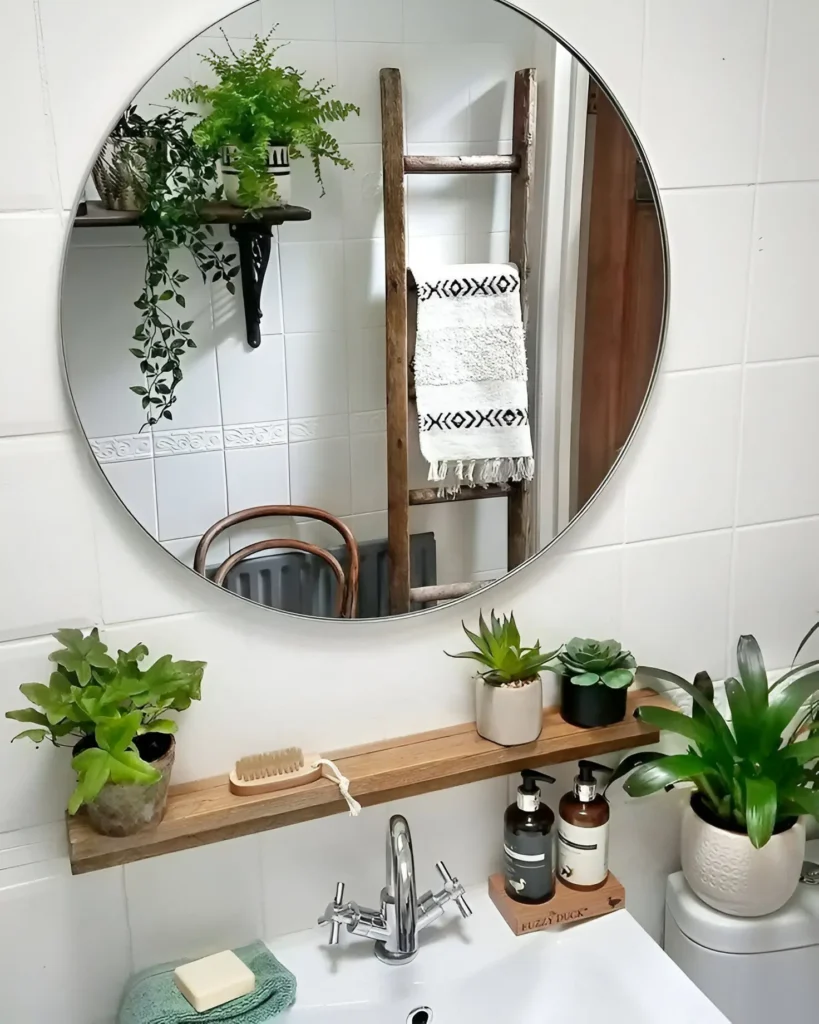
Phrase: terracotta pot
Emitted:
{"points": [[278, 167], [591, 706], [122, 810], [725, 870], [509, 715]]}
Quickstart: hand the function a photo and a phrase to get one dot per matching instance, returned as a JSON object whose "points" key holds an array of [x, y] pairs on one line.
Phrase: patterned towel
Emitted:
{"points": [[470, 376]]}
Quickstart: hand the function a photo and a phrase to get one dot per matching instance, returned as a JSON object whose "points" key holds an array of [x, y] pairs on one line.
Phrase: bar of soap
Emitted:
{"points": [[214, 980]]}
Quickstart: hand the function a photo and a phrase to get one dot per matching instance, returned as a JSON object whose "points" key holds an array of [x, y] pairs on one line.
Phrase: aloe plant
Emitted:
{"points": [[753, 775], [499, 650], [597, 662]]}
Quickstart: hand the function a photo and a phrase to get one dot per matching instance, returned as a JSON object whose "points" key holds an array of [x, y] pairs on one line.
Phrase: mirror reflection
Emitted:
{"points": [[357, 323]]}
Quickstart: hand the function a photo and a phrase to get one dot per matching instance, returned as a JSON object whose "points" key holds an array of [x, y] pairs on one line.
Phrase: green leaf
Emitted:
{"points": [[785, 704], [586, 679], [36, 735], [128, 767], [699, 732], [28, 715], [166, 726], [747, 726], [802, 752], [618, 678], [632, 761], [44, 697], [752, 673], [760, 810], [116, 734], [166, 295], [93, 771], [666, 771]]}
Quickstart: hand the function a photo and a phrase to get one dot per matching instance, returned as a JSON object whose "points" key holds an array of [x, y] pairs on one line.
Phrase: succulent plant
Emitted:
{"points": [[499, 650], [593, 662]]}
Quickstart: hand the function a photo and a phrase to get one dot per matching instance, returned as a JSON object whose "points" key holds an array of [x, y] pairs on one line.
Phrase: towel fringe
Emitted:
{"points": [[479, 473]]}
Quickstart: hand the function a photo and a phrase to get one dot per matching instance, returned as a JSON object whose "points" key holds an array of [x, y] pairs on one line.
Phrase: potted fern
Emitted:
{"points": [[113, 714], [595, 675], [743, 842], [262, 115], [509, 692]]}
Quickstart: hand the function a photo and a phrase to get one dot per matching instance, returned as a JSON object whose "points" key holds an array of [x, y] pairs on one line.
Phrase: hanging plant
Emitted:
{"points": [[171, 179]]}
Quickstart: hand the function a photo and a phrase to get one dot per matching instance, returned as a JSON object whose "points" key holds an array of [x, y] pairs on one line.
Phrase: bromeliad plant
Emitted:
{"points": [[108, 704], [753, 776], [506, 661], [597, 662], [255, 103]]}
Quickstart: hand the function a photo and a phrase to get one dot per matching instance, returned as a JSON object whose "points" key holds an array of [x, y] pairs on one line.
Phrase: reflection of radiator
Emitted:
{"points": [[297, 581]]}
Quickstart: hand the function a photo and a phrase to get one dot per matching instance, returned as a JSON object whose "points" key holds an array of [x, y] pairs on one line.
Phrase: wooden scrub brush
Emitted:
{"points": [[277, 769]]}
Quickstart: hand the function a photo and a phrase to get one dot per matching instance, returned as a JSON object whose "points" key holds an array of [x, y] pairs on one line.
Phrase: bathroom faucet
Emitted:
{"points": [[402, 915]]}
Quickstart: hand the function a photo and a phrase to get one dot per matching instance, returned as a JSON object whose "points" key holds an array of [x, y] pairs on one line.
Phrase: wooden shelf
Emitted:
{"points": [[218, 213], [207, 812]]}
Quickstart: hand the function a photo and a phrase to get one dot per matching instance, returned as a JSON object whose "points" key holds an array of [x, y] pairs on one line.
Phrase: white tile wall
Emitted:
{"points": [[71, 556]]}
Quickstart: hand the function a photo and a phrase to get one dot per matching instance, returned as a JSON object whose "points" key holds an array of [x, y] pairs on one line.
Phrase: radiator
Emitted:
{"points": [[296, 581]]}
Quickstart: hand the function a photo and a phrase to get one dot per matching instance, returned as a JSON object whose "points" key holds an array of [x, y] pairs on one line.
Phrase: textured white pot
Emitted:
{"points": [[726, 871], [278, 167], [509, 715]]}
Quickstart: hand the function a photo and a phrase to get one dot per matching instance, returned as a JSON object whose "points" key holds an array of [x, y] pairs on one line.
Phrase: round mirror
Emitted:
{"points": [[360, 310]]}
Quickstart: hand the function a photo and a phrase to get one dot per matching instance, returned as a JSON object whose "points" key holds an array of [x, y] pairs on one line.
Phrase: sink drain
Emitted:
{"points": [[423, 1015]]}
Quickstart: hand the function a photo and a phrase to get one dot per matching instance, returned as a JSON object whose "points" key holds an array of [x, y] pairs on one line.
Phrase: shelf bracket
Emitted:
{"points": [[254, 254]]}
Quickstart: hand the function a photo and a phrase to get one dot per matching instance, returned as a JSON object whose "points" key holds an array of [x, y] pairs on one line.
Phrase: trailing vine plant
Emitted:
{"points": [[257, 102], [173, 177]]}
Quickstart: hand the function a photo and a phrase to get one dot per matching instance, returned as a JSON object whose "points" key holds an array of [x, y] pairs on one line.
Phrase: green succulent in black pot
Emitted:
{"points": [[595, 677]]}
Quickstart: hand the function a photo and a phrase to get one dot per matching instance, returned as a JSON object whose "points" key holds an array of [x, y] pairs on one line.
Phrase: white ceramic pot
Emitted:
{"points": [[278, 167], [726, 871], [509, 715]]}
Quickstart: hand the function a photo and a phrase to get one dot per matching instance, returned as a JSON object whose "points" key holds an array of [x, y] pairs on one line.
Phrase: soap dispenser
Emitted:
{"points": [[583, 831], [528, 843]]}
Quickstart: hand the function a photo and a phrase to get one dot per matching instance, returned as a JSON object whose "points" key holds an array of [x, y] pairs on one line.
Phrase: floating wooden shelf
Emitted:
{"points": [[207, 812], [251, 232]]}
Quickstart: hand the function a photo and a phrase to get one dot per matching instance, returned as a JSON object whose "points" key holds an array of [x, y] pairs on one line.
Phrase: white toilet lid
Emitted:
{"points": [[794, 926]]}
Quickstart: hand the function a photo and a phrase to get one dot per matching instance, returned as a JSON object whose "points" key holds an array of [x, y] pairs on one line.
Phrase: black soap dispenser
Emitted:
{"points": [[528, 843]]}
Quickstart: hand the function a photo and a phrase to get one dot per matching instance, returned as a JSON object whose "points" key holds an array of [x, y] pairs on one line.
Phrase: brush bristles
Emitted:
{"points": [[265, 766]]}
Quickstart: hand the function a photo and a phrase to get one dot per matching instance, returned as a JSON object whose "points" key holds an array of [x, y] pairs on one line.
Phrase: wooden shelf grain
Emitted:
{"points": [[217, 213], [207, 812]]}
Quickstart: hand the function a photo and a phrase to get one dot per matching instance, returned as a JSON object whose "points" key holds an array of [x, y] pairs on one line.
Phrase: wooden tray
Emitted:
{"points": [[565, 907]]}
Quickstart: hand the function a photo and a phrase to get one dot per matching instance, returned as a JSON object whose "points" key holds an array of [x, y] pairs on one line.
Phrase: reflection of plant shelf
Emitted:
{"points": [[207, 812], [567, 906], [252, 234]]}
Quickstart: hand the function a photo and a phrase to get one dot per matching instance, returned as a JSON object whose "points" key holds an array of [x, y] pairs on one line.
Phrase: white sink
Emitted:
{"points": [[606, 971]]}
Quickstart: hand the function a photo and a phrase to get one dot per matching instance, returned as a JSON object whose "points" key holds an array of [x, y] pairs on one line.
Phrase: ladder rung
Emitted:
{"points": [[430, 495], [446, 591], [461, 164]]}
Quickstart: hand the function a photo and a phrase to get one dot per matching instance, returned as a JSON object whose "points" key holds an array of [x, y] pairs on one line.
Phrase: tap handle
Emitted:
{"points": [[455, 889], [330, 915]]}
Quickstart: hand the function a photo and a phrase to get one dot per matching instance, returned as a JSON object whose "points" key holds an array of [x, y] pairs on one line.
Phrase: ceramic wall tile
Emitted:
{"points": [[252, 384], [199, 917], [688, 450], [774, 479], [709, 297], [437, 203], [789, 152], [369, 21], [359, 65], [702, 89], [323, 199], [364, 284], [29, 184], [190, 492], [308, 19], [316, 374], [491, 248], [490, 69], [436, 93], [774, 587], [362, 192], [783, 252], [479, 21], [312, 286], [320, 474], [184, 551], [134, 486], [435, 249], [46, 542], [366, 369], [368, 468], [244, 24], [257, 476], [660, 616]]}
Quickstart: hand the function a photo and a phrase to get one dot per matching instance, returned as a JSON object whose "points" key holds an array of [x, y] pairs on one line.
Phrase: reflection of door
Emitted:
{"points": [[624, 293]]}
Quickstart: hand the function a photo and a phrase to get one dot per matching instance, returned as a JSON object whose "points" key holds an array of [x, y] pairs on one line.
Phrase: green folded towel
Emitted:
{"points": [[152, 997]]}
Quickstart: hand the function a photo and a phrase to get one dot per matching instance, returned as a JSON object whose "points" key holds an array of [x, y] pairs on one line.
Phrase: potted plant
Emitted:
{"points": [[595, 675], [154, 166], [113, 714], [509, 693], [261, 116], [742, 841]]}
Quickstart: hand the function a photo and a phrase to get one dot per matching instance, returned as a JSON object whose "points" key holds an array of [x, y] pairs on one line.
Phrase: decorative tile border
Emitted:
{"points": [[122, 448], [253, 435], [184, 442], [315, 427], [368, 422]]}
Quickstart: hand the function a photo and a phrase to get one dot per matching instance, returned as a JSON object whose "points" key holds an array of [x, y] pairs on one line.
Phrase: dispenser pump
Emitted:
{"points": [[585, 784], [528, 792]]}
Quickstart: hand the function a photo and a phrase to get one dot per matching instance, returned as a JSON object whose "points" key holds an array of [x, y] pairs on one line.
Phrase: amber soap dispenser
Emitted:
{"points": [[528, 843], [583, 831]]}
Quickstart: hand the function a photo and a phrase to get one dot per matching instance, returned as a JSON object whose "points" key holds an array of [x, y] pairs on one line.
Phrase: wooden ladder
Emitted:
{"points": [[397, 164]]}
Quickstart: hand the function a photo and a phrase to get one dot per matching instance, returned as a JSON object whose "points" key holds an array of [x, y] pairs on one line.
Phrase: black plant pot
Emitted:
{"points": [[591, 706]]}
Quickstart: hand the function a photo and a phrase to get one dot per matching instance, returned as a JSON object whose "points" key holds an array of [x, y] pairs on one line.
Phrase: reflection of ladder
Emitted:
{"points": [[397, 164]]}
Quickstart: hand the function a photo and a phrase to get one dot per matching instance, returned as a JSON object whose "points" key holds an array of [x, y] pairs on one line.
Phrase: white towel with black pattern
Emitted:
{"points": [[471, 376]]}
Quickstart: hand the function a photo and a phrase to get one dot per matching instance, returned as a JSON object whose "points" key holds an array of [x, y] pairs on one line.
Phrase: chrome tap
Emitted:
{"points": [[403, 915]]}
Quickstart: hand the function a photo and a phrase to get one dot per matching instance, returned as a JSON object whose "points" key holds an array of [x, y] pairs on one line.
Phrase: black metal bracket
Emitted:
{"points": [[254, 254]]}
